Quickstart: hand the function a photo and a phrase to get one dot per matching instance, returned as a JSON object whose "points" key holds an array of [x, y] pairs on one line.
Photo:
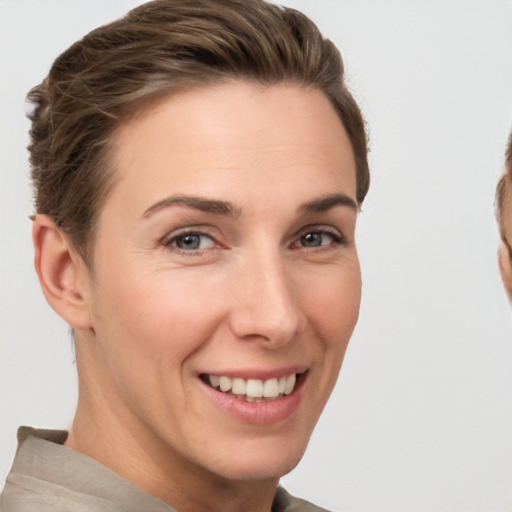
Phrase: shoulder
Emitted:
{"points": [[38, 477], [285, 502], [48, 477], [21, 495]]}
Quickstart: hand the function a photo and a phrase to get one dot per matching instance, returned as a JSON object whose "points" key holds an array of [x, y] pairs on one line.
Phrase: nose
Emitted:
{"points": [[265, 304]]}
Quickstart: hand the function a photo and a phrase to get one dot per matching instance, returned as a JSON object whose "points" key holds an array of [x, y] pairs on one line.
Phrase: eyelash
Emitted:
{"points": [[336, 239]]}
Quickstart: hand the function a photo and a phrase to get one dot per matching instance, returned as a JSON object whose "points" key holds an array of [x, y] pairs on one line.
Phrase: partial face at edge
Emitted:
{"points": [[226, 250], [505, 250]]}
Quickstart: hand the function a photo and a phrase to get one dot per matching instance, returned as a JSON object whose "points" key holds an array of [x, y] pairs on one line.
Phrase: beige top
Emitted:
{"points": [[48, 477]]}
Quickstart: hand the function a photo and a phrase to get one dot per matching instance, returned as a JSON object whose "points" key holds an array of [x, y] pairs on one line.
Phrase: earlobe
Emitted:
{"points": [[505, 264], [62, 272]]}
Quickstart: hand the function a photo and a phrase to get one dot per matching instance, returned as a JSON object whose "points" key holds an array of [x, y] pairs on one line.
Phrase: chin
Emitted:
{"points": [[258, 461]]}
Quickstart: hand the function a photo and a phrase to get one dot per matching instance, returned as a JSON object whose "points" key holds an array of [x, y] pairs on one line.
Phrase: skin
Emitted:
{"points": [[256, 298], [505, 250]]}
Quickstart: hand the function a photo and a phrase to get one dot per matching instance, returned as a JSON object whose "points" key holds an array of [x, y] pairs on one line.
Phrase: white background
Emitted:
{"points": [[421, 418]]}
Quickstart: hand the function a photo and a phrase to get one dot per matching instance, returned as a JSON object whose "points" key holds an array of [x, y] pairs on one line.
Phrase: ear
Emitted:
{"points": [[62, 273], [505, 265]]}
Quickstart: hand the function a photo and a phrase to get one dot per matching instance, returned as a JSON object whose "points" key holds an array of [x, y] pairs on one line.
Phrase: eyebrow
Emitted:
{"points": [[197, 203], [226, 208], [325, 203]]}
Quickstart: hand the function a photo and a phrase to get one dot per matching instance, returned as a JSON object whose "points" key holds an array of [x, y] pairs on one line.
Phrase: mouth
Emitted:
{"points": [[254, 390]]}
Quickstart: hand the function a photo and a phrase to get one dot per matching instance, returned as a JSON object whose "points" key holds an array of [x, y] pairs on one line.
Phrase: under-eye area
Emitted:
{"points": [[255, 390]]}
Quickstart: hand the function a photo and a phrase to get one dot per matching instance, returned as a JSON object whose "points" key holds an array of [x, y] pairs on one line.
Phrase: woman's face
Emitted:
{"points": [[225, 268]]}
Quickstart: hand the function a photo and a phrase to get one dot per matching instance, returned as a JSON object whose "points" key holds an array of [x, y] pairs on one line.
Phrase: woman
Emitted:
{"points": [[198, 167]]}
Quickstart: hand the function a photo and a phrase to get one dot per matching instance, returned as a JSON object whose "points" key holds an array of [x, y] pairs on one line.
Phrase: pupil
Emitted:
{"points": [[312, 239], [188, 242]]}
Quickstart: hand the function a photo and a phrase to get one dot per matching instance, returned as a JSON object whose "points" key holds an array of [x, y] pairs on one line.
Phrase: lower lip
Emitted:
{"points": [[258, 413]]}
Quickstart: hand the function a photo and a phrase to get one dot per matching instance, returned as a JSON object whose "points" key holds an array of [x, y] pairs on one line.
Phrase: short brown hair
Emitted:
{"points": [[156, 49], [503, 187]]}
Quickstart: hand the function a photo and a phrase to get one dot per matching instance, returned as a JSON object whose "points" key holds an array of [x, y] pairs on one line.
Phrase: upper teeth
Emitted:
{"points": [[255, 388]]}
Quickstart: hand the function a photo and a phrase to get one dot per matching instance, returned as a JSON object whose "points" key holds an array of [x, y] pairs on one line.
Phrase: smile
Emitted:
{"points": [[253, 390]]}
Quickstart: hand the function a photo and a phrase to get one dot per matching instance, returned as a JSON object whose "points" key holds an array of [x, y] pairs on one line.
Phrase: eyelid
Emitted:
{"points": [[199, 229]]}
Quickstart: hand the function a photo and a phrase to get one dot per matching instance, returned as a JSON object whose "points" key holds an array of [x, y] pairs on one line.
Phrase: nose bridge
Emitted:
{"points": [[266, 306]]}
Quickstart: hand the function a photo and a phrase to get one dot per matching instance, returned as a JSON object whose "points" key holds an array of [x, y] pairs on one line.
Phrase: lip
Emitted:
{"points": [[258, 413]]}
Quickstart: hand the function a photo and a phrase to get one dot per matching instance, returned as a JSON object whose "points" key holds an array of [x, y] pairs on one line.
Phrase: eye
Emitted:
{"points": [[191, 242], [318, 238]]}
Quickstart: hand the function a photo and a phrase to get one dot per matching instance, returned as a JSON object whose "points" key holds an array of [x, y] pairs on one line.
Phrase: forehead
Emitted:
{"points": [[210, 136], [239, 107]]}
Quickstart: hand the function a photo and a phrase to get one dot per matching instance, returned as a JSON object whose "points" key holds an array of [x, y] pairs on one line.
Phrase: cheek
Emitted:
{"points": [[147, 314], [147, 328], [334, 304], [333, 310]]}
